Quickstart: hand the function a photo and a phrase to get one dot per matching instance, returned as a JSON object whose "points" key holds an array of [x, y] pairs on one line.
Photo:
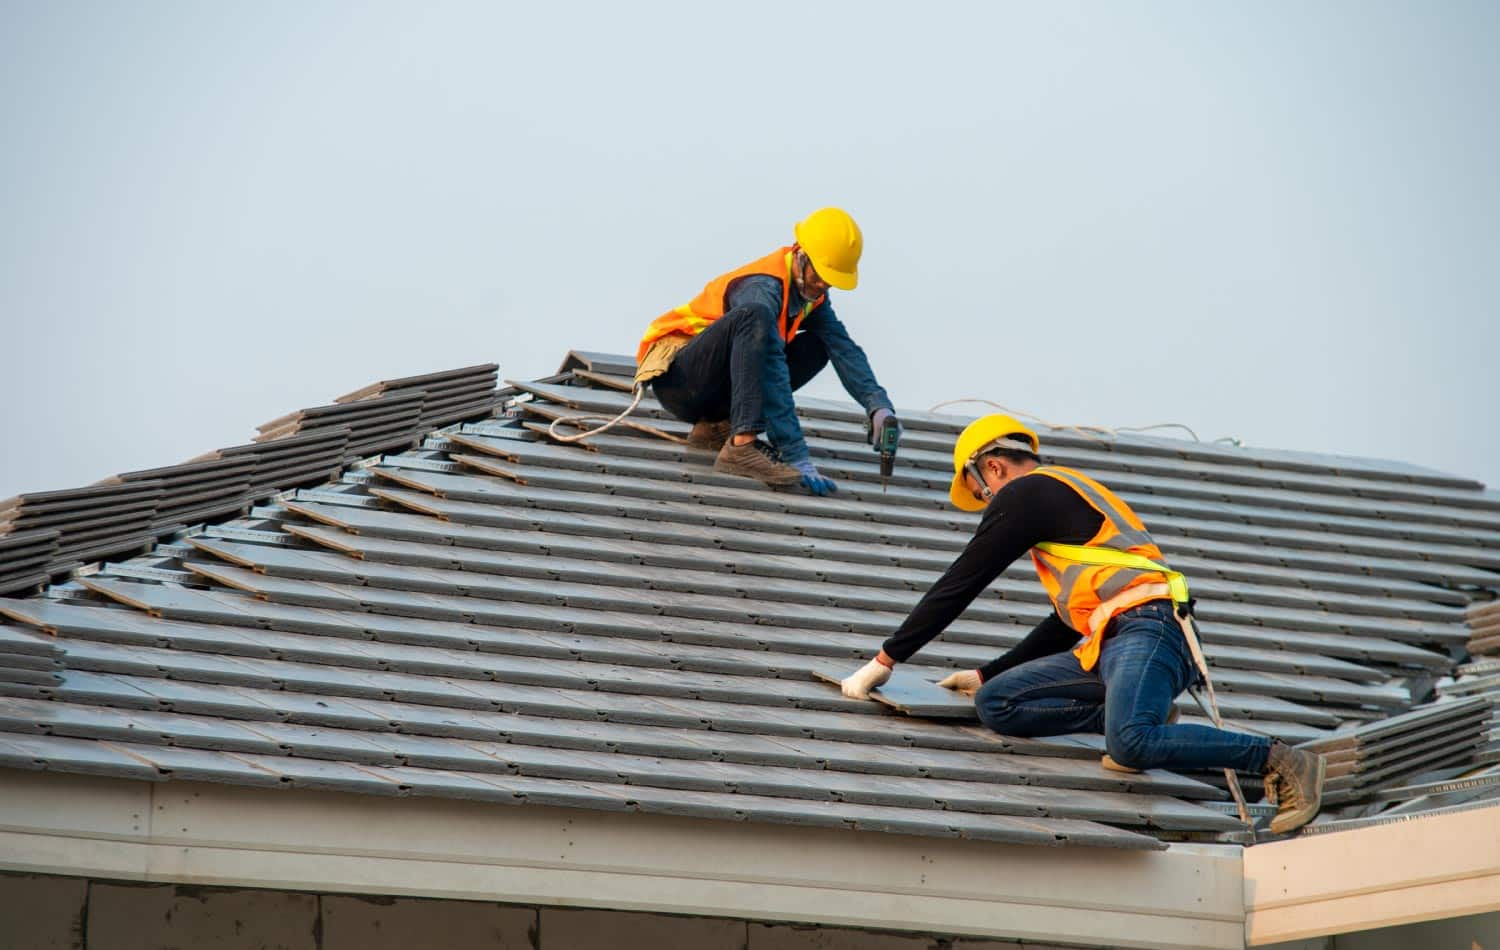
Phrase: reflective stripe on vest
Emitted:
{"points": [[694, 317], [1087, 594]]}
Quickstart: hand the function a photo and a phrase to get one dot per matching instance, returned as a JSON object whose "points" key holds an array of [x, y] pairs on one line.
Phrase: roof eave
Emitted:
{"points": [[180, 832], [1428, 867]]}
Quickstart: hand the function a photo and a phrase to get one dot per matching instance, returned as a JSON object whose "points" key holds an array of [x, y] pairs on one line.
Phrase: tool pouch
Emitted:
{"points": [[659, 356]]}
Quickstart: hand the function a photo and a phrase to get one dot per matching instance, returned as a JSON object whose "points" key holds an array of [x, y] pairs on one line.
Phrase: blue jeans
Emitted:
{"points": [[1143, 665], [739, 369], [719, 375]]}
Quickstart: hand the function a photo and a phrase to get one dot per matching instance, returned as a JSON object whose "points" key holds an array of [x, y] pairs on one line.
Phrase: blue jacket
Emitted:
{"points": [[763, 294]]}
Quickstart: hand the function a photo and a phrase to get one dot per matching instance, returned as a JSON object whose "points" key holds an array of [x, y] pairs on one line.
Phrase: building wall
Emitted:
{"points": [[1479, 932], [40, 912]]}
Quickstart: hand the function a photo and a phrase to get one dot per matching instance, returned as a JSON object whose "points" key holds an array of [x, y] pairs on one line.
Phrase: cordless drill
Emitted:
{"points": [[885, 444]]}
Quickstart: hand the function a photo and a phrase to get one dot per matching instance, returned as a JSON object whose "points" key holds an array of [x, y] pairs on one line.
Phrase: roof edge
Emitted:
{"points": [[1429, 867], [180, 832]]}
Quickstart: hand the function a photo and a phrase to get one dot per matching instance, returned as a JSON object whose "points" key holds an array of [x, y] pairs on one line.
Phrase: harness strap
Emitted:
{"points": [[1177, 589]]}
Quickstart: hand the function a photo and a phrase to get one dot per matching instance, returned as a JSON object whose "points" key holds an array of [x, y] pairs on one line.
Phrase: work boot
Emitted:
{"points": [[755, 459], [1294, 783], [709, 435], [1109, 762]]}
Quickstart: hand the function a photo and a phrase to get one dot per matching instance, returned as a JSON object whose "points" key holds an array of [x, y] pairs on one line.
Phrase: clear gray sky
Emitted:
{"points": [[1268, 220]]}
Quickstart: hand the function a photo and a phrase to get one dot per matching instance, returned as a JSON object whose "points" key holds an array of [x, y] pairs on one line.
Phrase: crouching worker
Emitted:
{"points": [[729, 361], [1112, 657]]}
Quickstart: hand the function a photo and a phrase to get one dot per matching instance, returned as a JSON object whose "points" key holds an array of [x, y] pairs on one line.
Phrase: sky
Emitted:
{"points": [[1269, 221]]}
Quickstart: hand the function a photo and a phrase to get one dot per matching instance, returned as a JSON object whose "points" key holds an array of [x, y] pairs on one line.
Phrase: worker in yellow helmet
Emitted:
{"points": [[728, 360], [1118, 647]]}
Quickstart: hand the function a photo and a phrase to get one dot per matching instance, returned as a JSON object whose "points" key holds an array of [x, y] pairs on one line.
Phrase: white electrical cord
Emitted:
{"points": [[1088, 431], [1092, 432], [580, 420]]}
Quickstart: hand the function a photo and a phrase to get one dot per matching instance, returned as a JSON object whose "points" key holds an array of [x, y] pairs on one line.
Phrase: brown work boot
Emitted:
{"points": [[755, 459], [1294, 783], [1109, 762], [709, 435]]}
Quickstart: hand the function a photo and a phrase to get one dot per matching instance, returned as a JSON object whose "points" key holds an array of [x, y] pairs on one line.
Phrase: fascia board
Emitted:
{"points": [[180, 832], [1429, 867]]}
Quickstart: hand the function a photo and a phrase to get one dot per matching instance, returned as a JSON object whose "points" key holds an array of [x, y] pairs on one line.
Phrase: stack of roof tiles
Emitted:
{"points": [[44, 535], [196, 491], [615, 625], [1484, 629], [294, 460], [392, 413], [1437, 736], [24, 558], [446, 397], [52, 532], [1479, 678]]}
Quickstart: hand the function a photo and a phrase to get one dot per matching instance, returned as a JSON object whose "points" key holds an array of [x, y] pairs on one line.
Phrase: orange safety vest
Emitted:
{"points": [[693, 318], [1087, 596]]}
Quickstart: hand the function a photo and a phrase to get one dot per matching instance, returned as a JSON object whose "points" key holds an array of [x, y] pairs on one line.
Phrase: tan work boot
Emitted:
{"points": [[709, 435], [1108, 760], [755, 460], [1294, 783]]}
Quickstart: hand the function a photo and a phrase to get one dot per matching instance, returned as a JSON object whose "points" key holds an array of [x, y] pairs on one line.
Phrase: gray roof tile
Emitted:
{"points": [[513, 621]]}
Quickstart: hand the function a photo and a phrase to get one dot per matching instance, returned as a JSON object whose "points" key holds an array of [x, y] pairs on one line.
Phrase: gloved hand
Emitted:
{"points": [[877, 419], [816, 482], [964, 681], [866, 678]]}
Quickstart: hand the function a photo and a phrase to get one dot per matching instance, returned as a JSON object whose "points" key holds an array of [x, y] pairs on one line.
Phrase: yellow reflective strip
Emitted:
{"points": [[797, 324], [1108, 557], [1105, 557], [788, 332], [695, 321]]}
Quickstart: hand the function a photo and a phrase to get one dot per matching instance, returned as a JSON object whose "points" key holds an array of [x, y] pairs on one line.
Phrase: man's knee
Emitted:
{"points": [[752, 320], [1131, 744], [996, 706]]}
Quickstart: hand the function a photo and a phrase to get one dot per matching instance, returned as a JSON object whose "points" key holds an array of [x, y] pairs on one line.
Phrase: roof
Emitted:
{"points": [[612, 625]]}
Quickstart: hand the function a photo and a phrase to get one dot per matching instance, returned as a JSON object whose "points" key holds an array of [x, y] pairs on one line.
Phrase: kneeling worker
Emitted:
{"points": [[1134, 657], [729, 360]]}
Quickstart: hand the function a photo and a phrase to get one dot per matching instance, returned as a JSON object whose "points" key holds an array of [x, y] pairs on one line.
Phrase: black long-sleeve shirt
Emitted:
{"points": [[1029, 510]]}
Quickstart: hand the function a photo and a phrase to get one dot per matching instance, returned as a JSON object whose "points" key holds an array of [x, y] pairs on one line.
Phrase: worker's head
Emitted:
{"points": [[990, 453], [831, 243], [995, 469]]}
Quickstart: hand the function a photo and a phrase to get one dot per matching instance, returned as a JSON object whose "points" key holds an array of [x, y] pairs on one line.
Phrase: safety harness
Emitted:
{"points": [[689, 322], [1182, 605]]}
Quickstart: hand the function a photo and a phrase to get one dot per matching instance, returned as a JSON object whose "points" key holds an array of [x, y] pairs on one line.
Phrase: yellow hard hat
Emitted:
{"points": [[831, 240], [985, 433]]}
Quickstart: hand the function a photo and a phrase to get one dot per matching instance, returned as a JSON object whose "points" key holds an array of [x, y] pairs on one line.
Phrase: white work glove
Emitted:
{"points": [[866, 678], [964, 681]]}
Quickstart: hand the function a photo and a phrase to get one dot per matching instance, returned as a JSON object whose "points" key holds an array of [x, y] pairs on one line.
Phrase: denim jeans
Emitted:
{"points": [[723, 380], [1143, 665], [720, 374]]}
